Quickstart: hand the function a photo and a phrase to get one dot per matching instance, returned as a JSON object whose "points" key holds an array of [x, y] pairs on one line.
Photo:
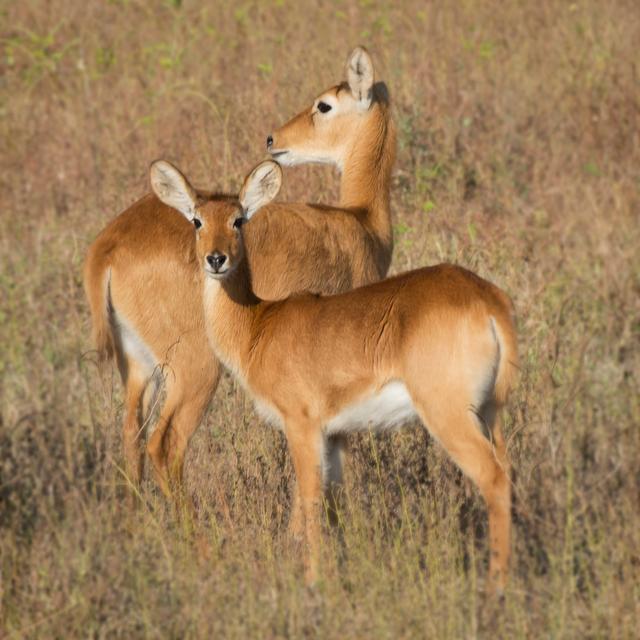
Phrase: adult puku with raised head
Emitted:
{"points": [[142, 279]]}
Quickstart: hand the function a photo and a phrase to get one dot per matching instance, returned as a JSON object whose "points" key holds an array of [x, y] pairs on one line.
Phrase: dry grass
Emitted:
{"points": [[519, 157]]}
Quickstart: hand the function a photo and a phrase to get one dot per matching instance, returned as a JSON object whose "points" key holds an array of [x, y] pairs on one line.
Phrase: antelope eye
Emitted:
{"points": [[238, 222], [197, 223], [323, 107]]}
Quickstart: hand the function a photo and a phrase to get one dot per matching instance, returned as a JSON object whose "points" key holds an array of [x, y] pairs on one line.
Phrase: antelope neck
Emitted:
{"points": [[230, 309], [367, 173]]}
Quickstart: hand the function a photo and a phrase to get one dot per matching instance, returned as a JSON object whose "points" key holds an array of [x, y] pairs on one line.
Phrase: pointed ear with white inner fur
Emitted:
{"points": [[173, 188], [360, 76], [260, 187]]}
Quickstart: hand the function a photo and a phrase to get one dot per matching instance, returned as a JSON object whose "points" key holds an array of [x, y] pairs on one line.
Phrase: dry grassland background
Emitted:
{"points": [[518, 157]]}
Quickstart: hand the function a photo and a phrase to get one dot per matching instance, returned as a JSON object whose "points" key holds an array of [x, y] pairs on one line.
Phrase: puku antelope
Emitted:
{"points": [[143, 281], [438, 342]]}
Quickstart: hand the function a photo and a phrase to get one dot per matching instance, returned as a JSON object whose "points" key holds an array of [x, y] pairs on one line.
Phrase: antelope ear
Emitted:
{"points": [[173, 188], [260, 187], [360, 76]]}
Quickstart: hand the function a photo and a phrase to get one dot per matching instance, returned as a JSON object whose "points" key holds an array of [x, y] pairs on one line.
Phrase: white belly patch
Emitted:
{"points": [[133, 345], [388, 408]]}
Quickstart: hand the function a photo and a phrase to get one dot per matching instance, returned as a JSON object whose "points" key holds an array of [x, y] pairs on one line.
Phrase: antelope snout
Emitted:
{"points": [[215, 261], [275, 152]]}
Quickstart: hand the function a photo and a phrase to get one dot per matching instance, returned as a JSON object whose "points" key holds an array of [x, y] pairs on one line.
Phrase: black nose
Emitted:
{"points": [[216, 260], [269, 142]]}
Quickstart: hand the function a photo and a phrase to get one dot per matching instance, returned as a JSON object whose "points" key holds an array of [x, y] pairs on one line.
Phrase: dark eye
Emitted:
{"points": [[197, 223], [323, 107], [238, 222]]}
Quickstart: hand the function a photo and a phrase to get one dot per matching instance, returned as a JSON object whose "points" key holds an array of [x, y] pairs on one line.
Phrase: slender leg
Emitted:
{"points": [[150, 396], [501, 532], [194, 377], [132, 424], [185, 421], [498, 441], [155, 445], [334, 456], [333, 491], [458, 431], [296, 519], [306, 448]]}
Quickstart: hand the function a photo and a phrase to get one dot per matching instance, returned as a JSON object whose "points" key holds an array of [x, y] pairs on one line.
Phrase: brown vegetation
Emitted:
{"points": [[519, 158]]}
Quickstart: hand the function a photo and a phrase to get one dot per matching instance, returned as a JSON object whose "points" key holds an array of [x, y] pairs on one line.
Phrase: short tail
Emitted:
{"points": [[96, 287], [508, 364]]}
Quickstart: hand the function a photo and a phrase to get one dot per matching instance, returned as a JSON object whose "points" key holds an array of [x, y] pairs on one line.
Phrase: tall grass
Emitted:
{"points": [[519, 157]]}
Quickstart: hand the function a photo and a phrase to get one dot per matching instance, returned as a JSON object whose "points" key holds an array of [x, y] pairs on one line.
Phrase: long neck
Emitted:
{"points": [[230, 308], [366, 174]]}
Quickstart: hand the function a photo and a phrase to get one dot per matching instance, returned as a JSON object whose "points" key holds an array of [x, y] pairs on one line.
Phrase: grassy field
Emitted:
{"points": [[519, 157]]}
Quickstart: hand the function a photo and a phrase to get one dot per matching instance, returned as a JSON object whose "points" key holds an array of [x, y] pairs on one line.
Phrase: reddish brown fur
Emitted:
{"points": [[445, 333]]}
